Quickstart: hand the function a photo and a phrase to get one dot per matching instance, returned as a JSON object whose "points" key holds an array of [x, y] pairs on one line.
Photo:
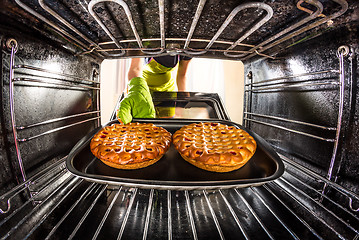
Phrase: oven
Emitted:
{"points": [[300, 97]]}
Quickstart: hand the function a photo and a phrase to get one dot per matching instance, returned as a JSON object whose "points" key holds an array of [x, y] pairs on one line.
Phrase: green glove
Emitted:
{"points": [[138, 102]]}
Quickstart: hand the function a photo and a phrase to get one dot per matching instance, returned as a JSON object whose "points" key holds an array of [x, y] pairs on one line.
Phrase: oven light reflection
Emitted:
{"points": [[53, 67]]}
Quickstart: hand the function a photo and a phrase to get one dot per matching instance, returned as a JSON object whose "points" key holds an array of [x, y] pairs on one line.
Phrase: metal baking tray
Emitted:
{"points": [[172, 172]]}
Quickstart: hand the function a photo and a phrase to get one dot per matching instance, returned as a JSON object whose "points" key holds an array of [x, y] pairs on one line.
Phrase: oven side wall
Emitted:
{"points": [[311, 99], [56, 96]]}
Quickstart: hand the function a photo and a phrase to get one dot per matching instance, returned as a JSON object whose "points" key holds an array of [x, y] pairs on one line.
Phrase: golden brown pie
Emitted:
{"points": [[130, 146], [214, 147]]}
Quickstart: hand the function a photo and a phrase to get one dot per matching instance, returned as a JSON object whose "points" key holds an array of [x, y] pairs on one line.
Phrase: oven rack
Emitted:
{"points": [[288, 208], [117, 47], [27, 75]]}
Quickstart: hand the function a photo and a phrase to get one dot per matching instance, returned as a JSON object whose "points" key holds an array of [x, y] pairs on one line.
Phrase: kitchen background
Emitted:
{"points": [[224, 77]]}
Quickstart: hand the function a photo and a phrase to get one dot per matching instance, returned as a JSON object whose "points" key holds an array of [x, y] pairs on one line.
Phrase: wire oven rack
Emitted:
{"points": [[116, 49], [66, 206]]}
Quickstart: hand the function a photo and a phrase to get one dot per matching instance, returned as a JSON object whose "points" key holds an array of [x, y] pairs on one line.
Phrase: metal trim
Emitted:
{"points": [[12, 109], [341, 53], [265, 19], [20, 66], [230, 17], [292, 76], [84, 194], [87, 212], [349, 194], [290, 120], [52, 83], [291, 130], [55, 120], [194, 22], [344, 8], [55, 130], [254, 214]]}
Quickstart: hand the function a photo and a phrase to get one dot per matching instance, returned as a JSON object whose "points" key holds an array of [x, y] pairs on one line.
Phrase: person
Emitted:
{"points": [[148, 75]]}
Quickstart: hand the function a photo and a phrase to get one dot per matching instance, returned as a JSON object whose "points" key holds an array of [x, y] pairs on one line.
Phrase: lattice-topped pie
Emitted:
{"points": [[130, 146], [214, 147]]}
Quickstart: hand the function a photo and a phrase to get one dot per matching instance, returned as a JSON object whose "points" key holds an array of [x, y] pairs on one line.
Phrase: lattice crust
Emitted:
{"points": [[214, 146], [130, 146]]}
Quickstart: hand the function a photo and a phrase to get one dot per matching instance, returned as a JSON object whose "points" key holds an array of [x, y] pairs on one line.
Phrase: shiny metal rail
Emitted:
{"points": [[344, 7], [290, 130], [242, 209], [44, 70], [230, 17], [191, 219], [169, 215], [259, 83], [318, 204], [148, 214], [86, 193], [68, 24], [254, 214], [272, 211], [319, 194], [349, 194], [56, 130], [131, 22], [23, 220], [47, 82], [106, 214], [194, 22], [23, 186], [288, 33], [59, 30], [260, 86], [254, 28], [103, 188], [234, 215], [213, 215], [56, 120], [30, 202], [13, 47], [287, 85], [342, 52], [290, 120], [292, 212], [313, 15], [123, 225], [291, 196], [178, 39]]}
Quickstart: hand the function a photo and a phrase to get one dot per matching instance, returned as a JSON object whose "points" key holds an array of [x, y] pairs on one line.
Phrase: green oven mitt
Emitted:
{"points": [[138, 102]]}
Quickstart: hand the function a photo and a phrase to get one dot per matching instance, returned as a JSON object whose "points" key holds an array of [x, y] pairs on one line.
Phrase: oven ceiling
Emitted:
{"points": [[238, 30]]}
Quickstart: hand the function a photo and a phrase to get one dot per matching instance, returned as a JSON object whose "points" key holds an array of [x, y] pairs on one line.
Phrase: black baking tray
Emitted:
{"points": [[172, 171]]}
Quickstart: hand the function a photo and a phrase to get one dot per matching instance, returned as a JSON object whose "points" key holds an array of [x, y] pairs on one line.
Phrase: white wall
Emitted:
{"points": [[204, 75], [234, 89], [113, 81]]}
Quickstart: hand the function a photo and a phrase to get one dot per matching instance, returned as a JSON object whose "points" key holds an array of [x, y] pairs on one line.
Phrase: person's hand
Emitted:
{"points": [[138, 102]]}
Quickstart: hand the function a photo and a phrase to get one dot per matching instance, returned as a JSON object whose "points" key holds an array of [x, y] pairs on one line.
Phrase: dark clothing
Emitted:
{"points": [[168, 60]]}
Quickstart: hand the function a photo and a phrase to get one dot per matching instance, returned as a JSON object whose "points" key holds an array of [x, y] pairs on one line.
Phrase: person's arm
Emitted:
{"points": [[135, 68], [181, 75]]}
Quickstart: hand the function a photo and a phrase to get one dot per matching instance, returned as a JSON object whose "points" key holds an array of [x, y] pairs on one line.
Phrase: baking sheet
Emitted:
{"points": [[172, 171]]}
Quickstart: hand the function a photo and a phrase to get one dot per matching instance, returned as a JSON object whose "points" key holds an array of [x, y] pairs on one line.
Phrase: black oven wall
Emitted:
{"points": [[54, 110], [313, 98]]}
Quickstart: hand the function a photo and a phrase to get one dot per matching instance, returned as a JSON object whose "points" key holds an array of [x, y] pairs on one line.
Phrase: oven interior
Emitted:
{"points": [[301, 96]]}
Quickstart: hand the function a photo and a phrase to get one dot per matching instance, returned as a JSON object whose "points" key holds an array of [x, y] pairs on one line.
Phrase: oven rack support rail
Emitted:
{"points": [[288, 204], [89, 46], [279, 84], [55, 79]]}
